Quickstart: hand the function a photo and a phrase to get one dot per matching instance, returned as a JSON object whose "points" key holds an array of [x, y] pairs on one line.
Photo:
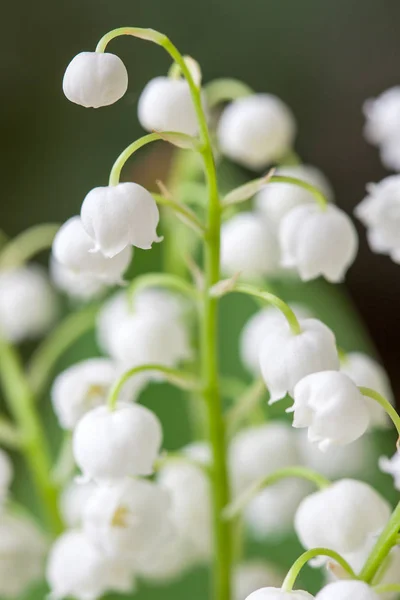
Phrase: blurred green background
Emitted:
{"points": [[322, 58]]}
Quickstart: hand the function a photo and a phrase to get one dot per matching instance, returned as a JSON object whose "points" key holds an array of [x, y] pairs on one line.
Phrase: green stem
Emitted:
{"points": [[21, 404], [115, 173], [383, 546], [28, 243], [391, 411], [318, 195], [294, 571], [181, 379], [238, 505], [10, 436], [162, 280], [186, 213], [225, 90], [387, 588]]}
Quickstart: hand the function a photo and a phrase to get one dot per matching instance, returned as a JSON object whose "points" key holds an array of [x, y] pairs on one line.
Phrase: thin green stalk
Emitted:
{"points": [[186, 213], [318, 195], [115, 173], [225, 90], [162, 280], [387, 588], [28, 243], [34, 448], [390, 410], [294, 571]]}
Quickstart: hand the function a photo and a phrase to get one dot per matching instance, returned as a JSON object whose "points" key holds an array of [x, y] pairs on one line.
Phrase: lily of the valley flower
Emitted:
{"points": [[78, 286], [318, 242], [94, 79], [346, 590], [272, 593], [73, 500], [116, 217], [253, 574], [383, 117], [392, 467], [110, 445]]}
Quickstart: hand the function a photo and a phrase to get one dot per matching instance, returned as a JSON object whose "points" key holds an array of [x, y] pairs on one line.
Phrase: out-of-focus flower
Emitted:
{"points": [[73, 500], [95, 79], [345, 590], [272, 593], [392, 467], [169, 560], [251, 575], [79, 286], [383, 117]]}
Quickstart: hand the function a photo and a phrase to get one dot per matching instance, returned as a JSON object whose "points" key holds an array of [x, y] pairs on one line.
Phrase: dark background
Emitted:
{"points": [[323, 58]]}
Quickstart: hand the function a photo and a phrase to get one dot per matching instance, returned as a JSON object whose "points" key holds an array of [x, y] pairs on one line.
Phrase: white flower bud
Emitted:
{"points": [[392, 467], [379, 212], [73, 248], [383, 116], [275, 200], [86, 385], [128, 518], [332, 407], [94, 79], [256, 130], [22, 552], [318, 242], [73, 500], [109, 445], [272, 593], [347, 590], [248, 246], [79, 286], [199, 452], [166, 105], [76, 568], [28, 305], [191, 505], [6, 474], [258, 327], [285, 358], [342, 517], [254, 574], [366, 372], [119, 216], [169, 560]]}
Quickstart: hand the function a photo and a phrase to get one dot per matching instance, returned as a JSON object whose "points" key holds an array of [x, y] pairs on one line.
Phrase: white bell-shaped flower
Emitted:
{"points": [[275, 200], [258, 327], [73, 248], [256, 130], [73, 500], [166, 105], [332, 407], [248, 246], [272, 593], [28, 305], [390, 154], [252, 575], [285, 358], [6, 474], [189, 489], [318, 242], [76, 568], [170, 559], [128, 518], [335, 462], [391, 466], [379, 212], [347, 590], [367, 372], [109, 445], [383, 117], [86, 385], [94, 79], [117, 216], [78, 286], [22, 554], [343, 517]]}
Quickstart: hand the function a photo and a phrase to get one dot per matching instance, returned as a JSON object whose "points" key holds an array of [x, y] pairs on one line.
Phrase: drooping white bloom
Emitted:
{"points": [[117, 216], [392, 467], [251, 575], [383, 117], [248, 246], [367, 372], [347, 590], [337, 461], [189, 488], [73, 248], [79, 286], [332, 407], [258, 327], [272, 593], [73, 500], [22, 552], [76, 568], [128, 518], [318, 242], [390, 153], [285, 358], [28, 305], [256, 130], [275, 200], [166, 105], [6, 474], [169, 560], [94, 79], [109, 445], [343, 517], [84, 386], [380, 213]]}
